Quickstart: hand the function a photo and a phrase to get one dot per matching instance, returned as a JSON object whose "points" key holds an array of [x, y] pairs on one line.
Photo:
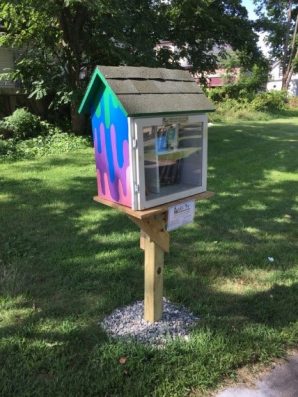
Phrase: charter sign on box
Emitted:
{"points": [[180, 214]]}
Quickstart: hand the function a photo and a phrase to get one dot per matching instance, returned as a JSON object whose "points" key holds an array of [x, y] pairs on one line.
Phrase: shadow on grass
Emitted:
{"points": [[73, 261]]}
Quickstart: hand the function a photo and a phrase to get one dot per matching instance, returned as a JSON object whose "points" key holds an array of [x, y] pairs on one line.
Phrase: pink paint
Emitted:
{"points": [[121, 173], [118, 191]]}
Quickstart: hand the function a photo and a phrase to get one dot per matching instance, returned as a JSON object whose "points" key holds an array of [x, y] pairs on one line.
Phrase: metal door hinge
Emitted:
{"points": [[137, 188]]}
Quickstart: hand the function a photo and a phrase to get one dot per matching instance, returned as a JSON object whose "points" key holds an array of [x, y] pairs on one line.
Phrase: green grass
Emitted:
{"points": [[66, 262], [232, 111]]}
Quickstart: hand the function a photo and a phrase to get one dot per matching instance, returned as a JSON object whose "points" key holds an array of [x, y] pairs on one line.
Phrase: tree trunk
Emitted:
{"points": [[71, 23], [290, 71], [284, 78], [78, 124], [293, 55], [285, 65]]}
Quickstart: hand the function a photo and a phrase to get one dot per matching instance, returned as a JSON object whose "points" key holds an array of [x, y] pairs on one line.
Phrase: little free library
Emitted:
{"points": [[149, 129]]}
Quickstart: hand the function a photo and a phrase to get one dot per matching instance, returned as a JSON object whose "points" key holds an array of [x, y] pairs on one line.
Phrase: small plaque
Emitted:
{"points": [[175, 120], [181, 214]]}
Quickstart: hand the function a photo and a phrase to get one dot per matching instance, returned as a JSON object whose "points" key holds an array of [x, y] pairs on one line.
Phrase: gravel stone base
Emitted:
{"points": [[128, 323]]}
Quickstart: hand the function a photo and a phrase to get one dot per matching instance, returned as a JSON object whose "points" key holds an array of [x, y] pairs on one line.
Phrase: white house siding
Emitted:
{"points": [[6, 64], [277, 84], [274, 85], [275, 81], [294, 86], [6, 59]]}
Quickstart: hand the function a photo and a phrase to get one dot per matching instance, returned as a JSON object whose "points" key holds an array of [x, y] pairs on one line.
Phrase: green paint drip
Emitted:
{"points": [[107, 111], [114, 100], [98, 110]]}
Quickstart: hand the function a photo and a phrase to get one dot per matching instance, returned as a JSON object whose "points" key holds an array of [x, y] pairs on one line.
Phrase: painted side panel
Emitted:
{"points": [[111, 149]]}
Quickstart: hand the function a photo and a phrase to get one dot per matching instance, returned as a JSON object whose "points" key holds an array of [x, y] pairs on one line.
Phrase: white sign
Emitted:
{"points": [[180, 214]]}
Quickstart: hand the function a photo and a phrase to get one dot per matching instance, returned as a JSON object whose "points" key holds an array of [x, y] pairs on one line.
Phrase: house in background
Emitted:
{"points": [[6, 60], [6, 64], [275, 80], [8, 88], [218, 78], [172, 48], [11, 95], [221, 77]]}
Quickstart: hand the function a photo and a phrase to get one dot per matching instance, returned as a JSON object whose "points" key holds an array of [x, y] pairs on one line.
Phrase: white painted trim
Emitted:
{"points": [[205, 152], [139, 124], [132, 173]]}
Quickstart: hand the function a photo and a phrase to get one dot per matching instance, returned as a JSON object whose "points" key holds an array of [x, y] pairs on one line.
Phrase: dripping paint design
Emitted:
{"points": [[110, 134]]}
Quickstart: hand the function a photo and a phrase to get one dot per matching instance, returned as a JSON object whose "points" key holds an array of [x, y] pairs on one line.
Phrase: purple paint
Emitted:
{"points": [[119, 189]]}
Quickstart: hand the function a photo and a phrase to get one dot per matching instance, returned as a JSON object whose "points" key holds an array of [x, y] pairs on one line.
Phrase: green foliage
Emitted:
{"points": [[230, 60], [6, 147], [59, 39], [243, 99], [261, 106], [5, 131], [220, 94], [293, 102], [245, 88], [272, 101], [24, 135], [255, 79], [236, 91], [232, 110], [198, 26], [277, 17], [23, 124], [54, 142]]}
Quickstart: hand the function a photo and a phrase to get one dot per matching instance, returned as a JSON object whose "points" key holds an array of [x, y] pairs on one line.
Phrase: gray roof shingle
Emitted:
{"points": [[132, 72], [144, 91], [165, 103]]}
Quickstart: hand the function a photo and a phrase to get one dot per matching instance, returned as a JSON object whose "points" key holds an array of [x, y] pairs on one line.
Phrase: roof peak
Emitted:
{"points": [[144, 73]]}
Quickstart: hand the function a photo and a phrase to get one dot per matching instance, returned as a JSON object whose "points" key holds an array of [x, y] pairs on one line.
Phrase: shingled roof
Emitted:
{"points": [[144, 91]]}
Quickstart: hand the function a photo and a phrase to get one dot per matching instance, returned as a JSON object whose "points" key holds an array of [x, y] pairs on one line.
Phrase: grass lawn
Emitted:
{"points": [[66, 262]]}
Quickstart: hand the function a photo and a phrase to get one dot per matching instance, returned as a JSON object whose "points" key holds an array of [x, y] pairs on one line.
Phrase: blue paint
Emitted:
{"points": [[95, 125], [107, 111], [119, 120]]}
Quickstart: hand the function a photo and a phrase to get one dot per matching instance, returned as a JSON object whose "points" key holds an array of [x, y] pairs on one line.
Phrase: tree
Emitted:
{"points": [[61, 41], [200, 27], [248, 79], [280, 19]]}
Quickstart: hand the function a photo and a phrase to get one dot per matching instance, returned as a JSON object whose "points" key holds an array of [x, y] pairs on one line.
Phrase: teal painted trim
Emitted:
{"points": [[83, 104], [94, 85]]}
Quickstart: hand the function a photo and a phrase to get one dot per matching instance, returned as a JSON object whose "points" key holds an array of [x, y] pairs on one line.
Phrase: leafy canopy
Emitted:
{"points": [[61, 41], [279, 18]]}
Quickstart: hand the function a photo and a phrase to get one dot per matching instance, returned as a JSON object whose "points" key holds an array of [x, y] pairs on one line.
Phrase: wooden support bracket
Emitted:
{"points": [[155, 228]]}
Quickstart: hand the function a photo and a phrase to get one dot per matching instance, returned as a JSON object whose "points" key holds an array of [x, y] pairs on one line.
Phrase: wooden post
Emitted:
{"points": [[153, 294], [155, 241]]}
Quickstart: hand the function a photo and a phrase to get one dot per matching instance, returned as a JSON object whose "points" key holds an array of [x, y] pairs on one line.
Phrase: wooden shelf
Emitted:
{"points": [[170, 155], [143, 214]]}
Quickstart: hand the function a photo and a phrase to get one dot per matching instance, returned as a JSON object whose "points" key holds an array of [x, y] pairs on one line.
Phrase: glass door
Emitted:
{"points": [[172, 164]]}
